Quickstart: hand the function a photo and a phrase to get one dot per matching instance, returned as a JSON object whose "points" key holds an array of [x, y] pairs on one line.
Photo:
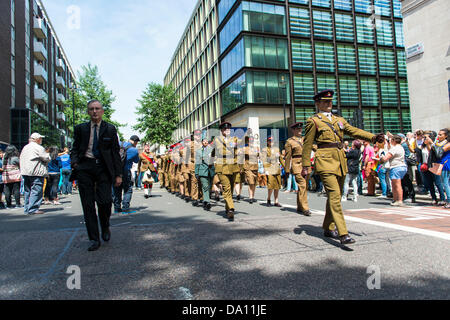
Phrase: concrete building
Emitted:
{"points": [[34, 75], [427, 39], [242, 59]]}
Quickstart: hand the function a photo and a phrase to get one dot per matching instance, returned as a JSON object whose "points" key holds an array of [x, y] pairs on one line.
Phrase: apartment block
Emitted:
{"points": [[35, 75]]}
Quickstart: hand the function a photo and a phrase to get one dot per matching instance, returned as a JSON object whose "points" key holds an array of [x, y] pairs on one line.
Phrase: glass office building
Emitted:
{"points": [[274, 55]]}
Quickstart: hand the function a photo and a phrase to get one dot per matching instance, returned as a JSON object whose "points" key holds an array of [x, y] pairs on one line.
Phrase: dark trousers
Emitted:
{"points": [[94, 185], [51, 189], [408, 188], [10, 190]]}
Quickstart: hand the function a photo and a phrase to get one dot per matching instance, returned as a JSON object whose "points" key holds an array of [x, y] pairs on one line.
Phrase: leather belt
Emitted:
{"points": [[97, 161], [296, 157], [338, 145]]}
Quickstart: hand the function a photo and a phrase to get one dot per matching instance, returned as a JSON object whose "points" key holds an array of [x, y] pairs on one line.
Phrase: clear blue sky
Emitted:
{"points": [[131, 42]]}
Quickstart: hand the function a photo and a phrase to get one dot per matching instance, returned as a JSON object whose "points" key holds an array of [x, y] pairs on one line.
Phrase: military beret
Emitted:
{"points": [[225, 125], [187, 139], [324, 95], [297, 125], [197, 131]]}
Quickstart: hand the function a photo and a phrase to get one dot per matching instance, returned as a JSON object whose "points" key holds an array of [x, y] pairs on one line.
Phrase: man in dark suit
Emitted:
{"points": [[96, 165]]}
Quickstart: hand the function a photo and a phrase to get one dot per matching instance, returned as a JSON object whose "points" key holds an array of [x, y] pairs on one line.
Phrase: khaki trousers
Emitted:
{"points": [[227, 181], [302, 195], [334, 216]]}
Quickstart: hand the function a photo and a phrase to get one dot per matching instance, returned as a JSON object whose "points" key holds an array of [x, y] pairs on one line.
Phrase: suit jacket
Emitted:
{"points": [[108, 145], [204, 163]]}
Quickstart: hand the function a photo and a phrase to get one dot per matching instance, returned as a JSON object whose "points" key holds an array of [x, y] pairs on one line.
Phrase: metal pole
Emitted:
{"points": [[285, 124], [73, 112]]}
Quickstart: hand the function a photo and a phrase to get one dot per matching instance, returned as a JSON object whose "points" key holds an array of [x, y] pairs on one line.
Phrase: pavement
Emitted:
{"points": [[169, 250]]}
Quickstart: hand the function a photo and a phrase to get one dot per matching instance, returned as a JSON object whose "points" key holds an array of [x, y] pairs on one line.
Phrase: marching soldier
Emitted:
{"points": [[330, 163], [251, 155], [271, 157], [225, 151], [293, 165], [184, 169], [195, 192], [204, 171]]}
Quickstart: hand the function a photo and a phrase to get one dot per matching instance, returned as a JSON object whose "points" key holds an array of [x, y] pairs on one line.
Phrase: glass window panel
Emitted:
{"points": [[363, 6], [321, 3], [324, 57], [343, 5], [257, 51], [302, 55], [300, 1], [299, 21], [404, 93], [259, 89], [384, 32], [272, 88], [397, 8], [401, 59], [270, 49], [388, 92], [303, 88], [346, 58], [344, 27], [383, 7], [391, 121], [399, 36], [406, 119], [282, 54], [386, 60], [323, 27], [303, 113], [348, 89], [371, 120], [364, 30], [369, 91], [367, 61], [234, 95]]}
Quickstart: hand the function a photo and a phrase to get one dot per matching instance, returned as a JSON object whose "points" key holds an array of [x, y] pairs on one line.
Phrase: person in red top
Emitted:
{"points": [[368, 175]]}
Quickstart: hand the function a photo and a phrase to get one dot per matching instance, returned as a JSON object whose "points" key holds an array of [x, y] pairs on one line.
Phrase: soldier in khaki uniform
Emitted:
{"points": [[226, 166], [184, 169], [293, 165], [330, 162], [171, 169], [271, 159], [251, 155], [195, 191]]}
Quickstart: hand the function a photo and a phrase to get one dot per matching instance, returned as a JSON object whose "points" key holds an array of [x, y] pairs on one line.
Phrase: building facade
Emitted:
{"points": [[272, 56], [35, 75], [427, 41]]}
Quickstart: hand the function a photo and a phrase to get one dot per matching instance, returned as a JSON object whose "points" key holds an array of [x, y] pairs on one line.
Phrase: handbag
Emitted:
{"points": [[147, 179], [11, 174], [424, 167], [411, 160], [436, 169]]}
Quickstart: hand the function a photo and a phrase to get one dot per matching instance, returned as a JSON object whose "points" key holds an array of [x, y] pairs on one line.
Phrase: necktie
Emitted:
{"points": [[95, 150]]}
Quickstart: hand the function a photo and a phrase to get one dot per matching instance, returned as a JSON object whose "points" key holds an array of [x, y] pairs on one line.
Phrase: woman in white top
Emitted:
{"points": [[398, 168]]}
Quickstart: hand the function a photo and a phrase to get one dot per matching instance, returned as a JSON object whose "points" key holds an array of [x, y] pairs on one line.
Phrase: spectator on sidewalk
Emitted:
{"points": [[2, 186], [11, 177], [33, 167], [407, 185], [353, 156], [368, 174], [147, 164], [444, 141], [66, 171], [427, 157], [396, 158], [383, 172], [54, 175], [126, 188]]}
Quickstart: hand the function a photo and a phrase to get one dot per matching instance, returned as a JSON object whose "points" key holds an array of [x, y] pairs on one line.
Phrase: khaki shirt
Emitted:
{"points": [[329, 160], [226, 153], [270, 158], [293, 158]]}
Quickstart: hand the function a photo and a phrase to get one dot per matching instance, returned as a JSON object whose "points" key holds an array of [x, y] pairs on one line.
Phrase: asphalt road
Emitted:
{"points": [[169, 250]]}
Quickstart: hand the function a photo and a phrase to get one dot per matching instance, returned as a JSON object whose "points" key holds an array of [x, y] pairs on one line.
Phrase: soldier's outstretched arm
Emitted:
{"points": [[288, 157], [357, 133]]}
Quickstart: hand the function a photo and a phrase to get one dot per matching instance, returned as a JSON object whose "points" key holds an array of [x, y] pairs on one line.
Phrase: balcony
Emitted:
{"points": [[60, 117], [39, 51], [40, 96], [40, 74], [59, 65], [39, 28], [60, 99], [60, 83]]}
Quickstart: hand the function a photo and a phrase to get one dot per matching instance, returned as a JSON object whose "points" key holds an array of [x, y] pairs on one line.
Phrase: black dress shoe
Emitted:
{"points": [[331, 234], [195, 203], [238, 197], [277, 205], [230, 215], [269, 203], [346, 239], [305, 213], [94, 245], [106, 235], [207, 206]]}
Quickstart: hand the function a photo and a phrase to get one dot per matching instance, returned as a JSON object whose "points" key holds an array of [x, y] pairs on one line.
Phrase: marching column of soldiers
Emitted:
{"points": [[195, 168]]}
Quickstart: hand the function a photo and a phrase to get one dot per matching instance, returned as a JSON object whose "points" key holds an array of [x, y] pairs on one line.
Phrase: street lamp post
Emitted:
{"points": [[283, 86], [74, 89]]}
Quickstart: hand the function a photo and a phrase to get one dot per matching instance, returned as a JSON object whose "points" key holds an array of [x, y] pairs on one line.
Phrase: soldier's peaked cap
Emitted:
{"points": [[297, 125], [324, 95], [225, 125]]}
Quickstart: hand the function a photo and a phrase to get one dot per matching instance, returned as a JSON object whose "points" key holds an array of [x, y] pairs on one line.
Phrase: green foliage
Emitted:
{"points": [[157, 114], [90, 86]]}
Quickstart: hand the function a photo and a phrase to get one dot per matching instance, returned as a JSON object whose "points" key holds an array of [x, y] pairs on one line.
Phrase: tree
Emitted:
{"points": [[157, 114], [90, 86]]}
